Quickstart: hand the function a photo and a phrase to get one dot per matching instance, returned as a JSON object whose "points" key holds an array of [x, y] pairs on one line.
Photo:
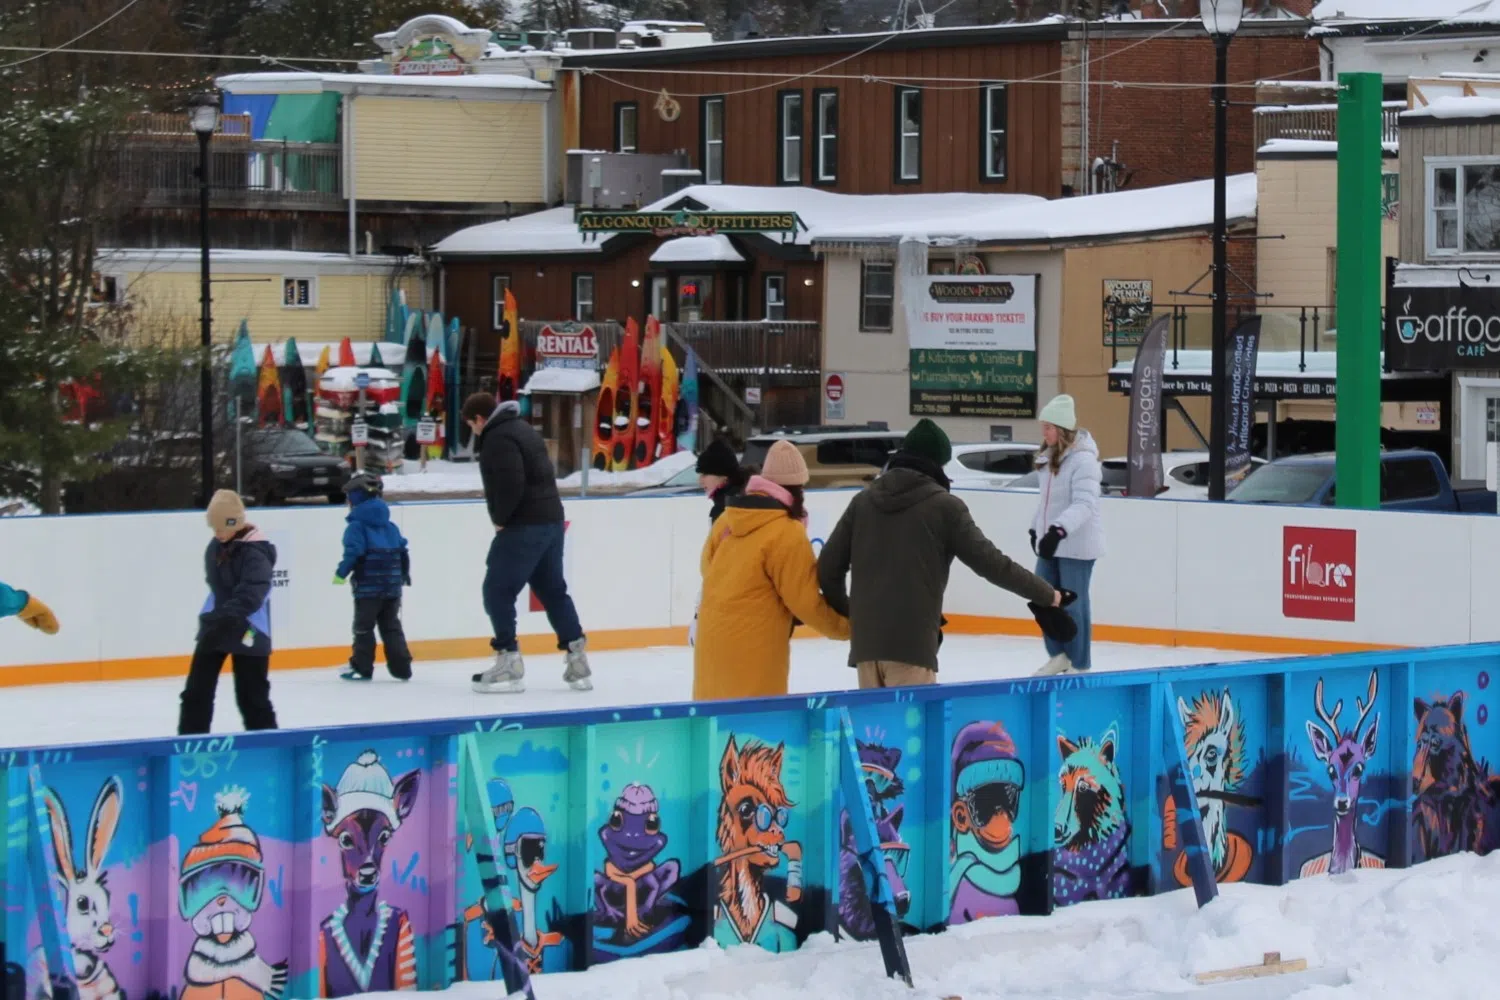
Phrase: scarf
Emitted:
{"points": [[916, 463]]}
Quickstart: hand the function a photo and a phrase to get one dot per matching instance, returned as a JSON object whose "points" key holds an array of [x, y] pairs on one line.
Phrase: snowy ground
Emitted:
{"points": [[1374, 935], [56, 714]]}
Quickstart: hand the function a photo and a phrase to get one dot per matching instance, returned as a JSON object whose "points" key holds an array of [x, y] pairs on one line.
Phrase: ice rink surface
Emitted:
{"points": [[123, 710]]}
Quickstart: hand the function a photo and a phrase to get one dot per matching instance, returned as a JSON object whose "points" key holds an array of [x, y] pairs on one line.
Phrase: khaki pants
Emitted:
{"points": [[889, 674]]}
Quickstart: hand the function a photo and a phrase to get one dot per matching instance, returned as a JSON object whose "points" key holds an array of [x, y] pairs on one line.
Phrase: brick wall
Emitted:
{"points": [[1164, 135]]}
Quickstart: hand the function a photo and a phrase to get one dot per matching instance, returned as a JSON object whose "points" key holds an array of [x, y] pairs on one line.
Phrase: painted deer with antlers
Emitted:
{"points": [[1346, 755]]}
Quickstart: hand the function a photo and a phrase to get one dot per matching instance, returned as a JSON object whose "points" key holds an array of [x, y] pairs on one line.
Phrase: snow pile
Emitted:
{"points": [[1407, 10], [652, 475], [551, 231], [1457, 107], [696, 250]]}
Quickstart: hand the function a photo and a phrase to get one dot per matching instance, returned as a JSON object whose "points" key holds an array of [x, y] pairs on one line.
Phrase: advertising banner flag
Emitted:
{"points": [[1144, 447]]}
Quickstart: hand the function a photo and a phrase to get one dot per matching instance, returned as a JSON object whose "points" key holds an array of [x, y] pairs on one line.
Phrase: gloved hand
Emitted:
{"points": [[406, 580], [1056, 623], [1047, 547], [214, 627], [1032, 533], [338, 581], [39, 616]]}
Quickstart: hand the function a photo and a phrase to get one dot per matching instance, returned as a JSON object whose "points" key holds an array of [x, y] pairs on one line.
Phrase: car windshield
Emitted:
{"points": [[1291, 482], [290, 443]]}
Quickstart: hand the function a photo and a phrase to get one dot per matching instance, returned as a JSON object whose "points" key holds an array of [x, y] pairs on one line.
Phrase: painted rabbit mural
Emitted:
{"points": [[220, 888], [1090, 833], [85, 890], [1346, 754], [366, 945]]}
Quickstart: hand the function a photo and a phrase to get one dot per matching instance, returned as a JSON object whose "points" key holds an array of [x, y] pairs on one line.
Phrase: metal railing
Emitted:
{"points": [[162, 172], [1305, 330], [1318, 122], [176, 125]]}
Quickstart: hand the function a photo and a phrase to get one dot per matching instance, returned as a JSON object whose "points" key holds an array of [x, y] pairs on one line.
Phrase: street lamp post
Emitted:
{"points": [[204, 117], [1222, 19]]}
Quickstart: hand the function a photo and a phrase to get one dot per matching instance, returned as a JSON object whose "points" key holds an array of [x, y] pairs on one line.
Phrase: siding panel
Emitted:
{"points": [[490, 151]]}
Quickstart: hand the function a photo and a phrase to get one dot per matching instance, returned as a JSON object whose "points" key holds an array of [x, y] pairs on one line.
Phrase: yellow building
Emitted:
{"points": [[315, 297]]}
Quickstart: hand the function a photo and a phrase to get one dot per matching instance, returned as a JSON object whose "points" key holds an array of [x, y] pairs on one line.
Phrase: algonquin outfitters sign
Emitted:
{"points": [[686, 222], [1442, 328], [973, 345]]}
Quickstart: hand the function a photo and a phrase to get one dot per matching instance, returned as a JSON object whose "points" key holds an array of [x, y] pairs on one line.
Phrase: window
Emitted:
{"points": [[694, 297], [627, 117], [775, 296], [857, 451], [827, 103], [501, 283], [789, 137], [877, 293], [908, 135], [1463, 207], [583, 298], [993, 114], [713, 140], [1478, 410], [1408, 480], [105, 291], [1007, 462], [299, 293]]}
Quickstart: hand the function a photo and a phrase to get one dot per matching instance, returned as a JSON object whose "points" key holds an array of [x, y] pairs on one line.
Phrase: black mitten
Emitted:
{"points": [[1056, 623], [1047, 547], [1032, 533]]}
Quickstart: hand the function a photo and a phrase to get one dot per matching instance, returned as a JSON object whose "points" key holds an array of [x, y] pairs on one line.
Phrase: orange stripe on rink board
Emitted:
{"points": [[540, 645]]}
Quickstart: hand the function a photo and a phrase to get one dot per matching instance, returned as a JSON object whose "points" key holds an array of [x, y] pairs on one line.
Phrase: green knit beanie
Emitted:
{"points": [[927, 440]]}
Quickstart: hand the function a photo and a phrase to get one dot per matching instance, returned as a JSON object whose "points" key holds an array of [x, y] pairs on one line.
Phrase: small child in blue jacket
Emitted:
{"points": [[376, 555]]}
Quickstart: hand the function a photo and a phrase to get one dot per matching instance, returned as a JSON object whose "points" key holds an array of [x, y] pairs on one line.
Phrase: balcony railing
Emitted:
{"points": [[1318, 122], [173, 125], [162, 172]]}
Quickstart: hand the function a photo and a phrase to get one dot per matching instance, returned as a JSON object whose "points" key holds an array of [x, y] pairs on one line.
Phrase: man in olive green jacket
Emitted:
{"points": [[898, 539]]}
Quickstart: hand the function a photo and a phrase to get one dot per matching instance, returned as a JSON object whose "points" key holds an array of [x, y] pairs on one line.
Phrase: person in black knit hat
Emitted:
{"points": [[721, 475]]}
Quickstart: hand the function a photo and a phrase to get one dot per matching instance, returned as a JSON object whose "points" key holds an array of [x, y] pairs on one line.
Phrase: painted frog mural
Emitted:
{"points": [[635, 912]]}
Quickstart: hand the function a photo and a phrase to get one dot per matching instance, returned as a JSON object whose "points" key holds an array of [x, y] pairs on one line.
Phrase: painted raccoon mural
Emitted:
{"points": [[366, 945], [1457, 799], [1215, 744], [878, 768], [1090, 833], [1346, 754], [636, 908], [753, 814], [219, 890], [984, 848]]}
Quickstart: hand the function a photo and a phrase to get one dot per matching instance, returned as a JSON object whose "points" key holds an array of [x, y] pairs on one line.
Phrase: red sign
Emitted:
{"points": [[563, 342], [1317, 575], [835, 388]]}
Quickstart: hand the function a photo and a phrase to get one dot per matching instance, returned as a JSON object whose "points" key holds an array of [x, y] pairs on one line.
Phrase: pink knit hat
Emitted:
{"points": [[784, 465]]}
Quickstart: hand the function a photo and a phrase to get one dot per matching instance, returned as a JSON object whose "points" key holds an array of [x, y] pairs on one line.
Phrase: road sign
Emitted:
{"points": [[833, 397], [752, 395], [427, 432], [359, 433], [362, 381]]}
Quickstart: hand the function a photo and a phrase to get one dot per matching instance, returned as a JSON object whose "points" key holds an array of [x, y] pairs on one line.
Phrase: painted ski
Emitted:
{"points": [[687, 409], [604, 413], [509, 384], [666, 422], [624, 433], [268, 392]]}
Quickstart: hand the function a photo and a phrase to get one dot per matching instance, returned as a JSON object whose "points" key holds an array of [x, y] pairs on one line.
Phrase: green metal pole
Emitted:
{"points": [[1357, 468]]}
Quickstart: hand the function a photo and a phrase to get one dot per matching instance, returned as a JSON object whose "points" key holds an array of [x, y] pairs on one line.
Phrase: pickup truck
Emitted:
{"points": [[1409, 480]]}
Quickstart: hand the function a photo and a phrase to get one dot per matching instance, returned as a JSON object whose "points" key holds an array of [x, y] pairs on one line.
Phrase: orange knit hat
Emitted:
{"points": [[228, 839], [784, 465]]}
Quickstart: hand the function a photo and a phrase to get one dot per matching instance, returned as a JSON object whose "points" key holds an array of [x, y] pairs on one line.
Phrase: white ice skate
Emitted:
{"points": [[576, 666], [1059, 664], [507, 676]]}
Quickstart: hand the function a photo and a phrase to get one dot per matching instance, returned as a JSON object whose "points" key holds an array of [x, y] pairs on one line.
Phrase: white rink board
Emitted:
{"points": [[129, 586]]}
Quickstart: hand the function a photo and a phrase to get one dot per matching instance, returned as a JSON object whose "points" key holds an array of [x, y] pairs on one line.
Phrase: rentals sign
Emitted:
{"points": [[567, 345]]}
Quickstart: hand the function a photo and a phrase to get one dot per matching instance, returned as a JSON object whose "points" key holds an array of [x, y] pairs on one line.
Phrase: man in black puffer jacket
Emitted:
{"points": [[520, 489], [897, 540]]}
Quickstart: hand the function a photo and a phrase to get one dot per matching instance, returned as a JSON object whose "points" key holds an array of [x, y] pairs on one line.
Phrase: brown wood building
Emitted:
{"points": [[840, 127]]}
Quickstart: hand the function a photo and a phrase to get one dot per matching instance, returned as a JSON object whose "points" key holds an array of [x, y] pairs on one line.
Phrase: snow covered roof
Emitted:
{"points": [[549, 231], [1306, 147], [990, 220], [1453, 106], [376, 83], [391, 355], [1407, 10], [567, 380], [697, 250], [149, 259]]}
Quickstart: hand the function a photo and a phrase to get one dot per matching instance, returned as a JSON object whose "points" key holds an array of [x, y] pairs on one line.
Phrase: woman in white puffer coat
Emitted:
{"points": [[1066, 532]]}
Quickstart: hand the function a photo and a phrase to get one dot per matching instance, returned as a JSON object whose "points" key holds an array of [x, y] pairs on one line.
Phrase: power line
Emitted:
{"points": [[264, 59], [46, 52]]}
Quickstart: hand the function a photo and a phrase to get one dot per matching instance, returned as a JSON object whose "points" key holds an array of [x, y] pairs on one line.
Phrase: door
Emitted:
{"points": [[658, 302]]}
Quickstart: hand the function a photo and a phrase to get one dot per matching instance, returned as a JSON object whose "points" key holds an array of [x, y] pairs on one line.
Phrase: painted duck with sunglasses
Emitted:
{"points": [[987, 781], [223, 877], [753, 816]]}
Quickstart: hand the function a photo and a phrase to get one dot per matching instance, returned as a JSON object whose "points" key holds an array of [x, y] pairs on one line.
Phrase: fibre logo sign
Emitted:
{"points": [[1318, 573]]}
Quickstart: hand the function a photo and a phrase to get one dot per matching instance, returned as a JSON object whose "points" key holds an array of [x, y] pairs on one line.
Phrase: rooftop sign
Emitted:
{"points": [[685, 222]]}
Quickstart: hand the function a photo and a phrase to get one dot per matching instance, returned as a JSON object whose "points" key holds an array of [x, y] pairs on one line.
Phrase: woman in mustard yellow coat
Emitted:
{"points": [[759, 577]]}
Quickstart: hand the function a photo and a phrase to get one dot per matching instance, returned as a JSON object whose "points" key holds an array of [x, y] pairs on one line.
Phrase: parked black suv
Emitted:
{"points": [[284, 463]]}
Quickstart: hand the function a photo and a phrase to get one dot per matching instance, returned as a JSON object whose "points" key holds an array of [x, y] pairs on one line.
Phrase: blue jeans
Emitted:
{"points": [[522, 554], [1074, 575]]}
